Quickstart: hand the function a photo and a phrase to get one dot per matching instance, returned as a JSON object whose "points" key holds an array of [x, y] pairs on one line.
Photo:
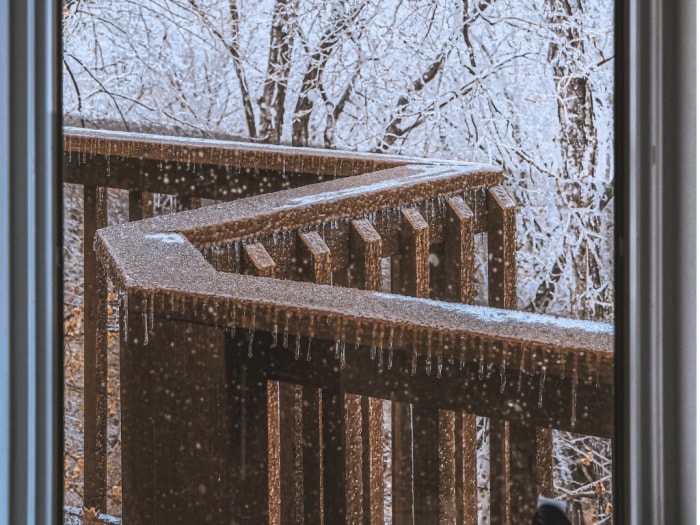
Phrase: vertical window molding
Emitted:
{"points": [[656, 281], [30, 271]]}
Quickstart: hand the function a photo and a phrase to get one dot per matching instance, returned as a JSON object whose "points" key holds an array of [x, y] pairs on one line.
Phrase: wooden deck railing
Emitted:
{"points": [[248, 399]]}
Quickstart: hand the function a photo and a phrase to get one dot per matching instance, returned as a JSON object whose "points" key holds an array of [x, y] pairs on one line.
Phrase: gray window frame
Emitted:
{"points": [[656, 282]]}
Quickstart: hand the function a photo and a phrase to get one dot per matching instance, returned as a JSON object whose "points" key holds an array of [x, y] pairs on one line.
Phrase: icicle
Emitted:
{"points": [[373, 350], [151, 311], [342, 355], [380, 362], [232, 321], [462, 351], [574, 382], [274, 335], [308, 350], [543, 375], [337, 349], [503, 377], [297, 347], [439, 365], [521, 370], [390, 357], [358, 335], [145, 328], [481, 361], [251, 339], [429, 356], [285, 335]]}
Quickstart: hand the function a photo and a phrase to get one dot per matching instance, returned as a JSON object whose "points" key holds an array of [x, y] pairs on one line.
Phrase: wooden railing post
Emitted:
{"points": [[95, 354]]}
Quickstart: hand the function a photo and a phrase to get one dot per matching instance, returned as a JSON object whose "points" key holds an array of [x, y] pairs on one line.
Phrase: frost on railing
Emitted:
{"points": [[210, 340]]}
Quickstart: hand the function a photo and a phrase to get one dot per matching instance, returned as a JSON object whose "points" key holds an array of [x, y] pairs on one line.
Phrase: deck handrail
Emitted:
{"points": [[523, 354], [527, 352]]}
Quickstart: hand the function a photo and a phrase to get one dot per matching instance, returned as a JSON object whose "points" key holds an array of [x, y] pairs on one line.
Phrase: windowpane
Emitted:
{"points": [[484, 133]]}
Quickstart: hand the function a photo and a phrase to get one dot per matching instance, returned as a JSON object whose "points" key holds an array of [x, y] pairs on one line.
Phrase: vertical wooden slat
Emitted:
{"points": [[401, 464], [502, 294], [459, 252], [314, 257], [274, 446], [448, 464], [372, 464], [95, 354], [466, 448], [311, 429], [334, 478], [354, 468], [257, 261], [366, 273], [545, 468], [501, 240], [426, 464], [499, 474], [365, 255], [523, 472], [415, 246], [290, 445], [252, 438], [315, 260]]}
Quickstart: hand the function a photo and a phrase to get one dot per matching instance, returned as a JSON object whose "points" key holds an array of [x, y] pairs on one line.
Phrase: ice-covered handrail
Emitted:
{"points": [[159, 262], [169, 164]]}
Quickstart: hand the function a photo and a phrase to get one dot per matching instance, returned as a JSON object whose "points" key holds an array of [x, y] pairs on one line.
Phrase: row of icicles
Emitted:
{"points": [[244, 317]]}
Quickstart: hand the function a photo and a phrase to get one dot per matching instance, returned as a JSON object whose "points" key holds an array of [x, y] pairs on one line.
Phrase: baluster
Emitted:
{"points": [[426, 464], [257, 261], [502, 294], [415, 245], [501, 240], [401, 464], [365, 256], [366, 273], [311, 431], [315, 258], [459, 252], [95, 353], [466, 447]]}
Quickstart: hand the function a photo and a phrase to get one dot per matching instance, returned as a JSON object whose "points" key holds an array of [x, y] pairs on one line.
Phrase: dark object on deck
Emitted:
{"points": [[550, 515]]}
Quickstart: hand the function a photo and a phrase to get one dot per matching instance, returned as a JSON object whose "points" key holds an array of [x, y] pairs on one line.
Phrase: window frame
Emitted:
{"points": [[655, 463]]}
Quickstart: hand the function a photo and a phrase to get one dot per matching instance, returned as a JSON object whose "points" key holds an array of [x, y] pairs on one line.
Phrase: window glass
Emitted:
{"points": [[523, 88]]}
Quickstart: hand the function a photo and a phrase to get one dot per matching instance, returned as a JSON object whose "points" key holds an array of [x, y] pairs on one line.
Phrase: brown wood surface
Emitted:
{"points": [[401, 464], [415, 267], [314, 258], [426, 464], [501, 238], [365, 249], [466, 450], [459, 252], [257, 261], [95, 354], [312, 459]]}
